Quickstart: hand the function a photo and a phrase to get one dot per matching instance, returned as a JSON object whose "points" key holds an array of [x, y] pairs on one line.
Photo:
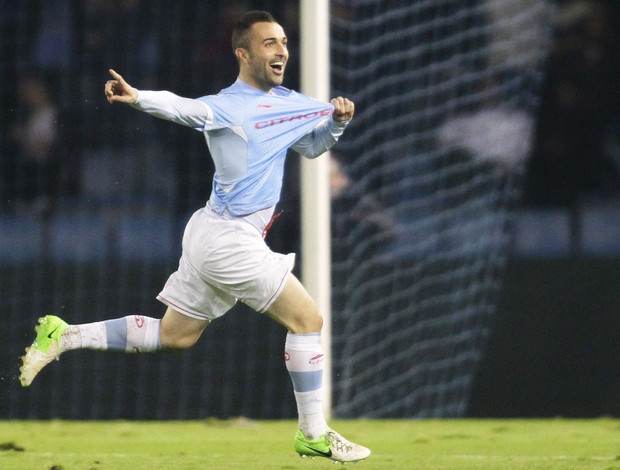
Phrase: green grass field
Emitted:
{"points": [[245, 444]]}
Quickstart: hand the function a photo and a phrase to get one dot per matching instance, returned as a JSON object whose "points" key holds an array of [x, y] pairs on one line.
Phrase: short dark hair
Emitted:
{"points": [[241, 28]]}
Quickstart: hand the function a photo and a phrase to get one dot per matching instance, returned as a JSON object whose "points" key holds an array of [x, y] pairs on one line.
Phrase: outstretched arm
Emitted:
{"points": [[162, 104]]}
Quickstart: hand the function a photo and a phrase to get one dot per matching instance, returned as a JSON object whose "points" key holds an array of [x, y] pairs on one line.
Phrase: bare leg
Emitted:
{"points": [[295, 309], [133, 333], [178, 331]]}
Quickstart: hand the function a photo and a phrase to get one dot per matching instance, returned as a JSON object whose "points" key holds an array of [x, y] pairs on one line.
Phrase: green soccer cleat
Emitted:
{"points": [[45, 349], [330, 445]]}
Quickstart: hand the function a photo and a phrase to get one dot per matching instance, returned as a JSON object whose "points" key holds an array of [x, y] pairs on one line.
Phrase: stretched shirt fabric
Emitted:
{"points": [[248, 132]]}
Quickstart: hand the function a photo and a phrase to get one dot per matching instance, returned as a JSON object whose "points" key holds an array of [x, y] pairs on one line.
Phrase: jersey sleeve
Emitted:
{"points": [[320, 139], [166, 105]]}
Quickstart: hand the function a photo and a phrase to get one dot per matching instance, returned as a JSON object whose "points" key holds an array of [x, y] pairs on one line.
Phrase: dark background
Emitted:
{"points": [[554, 348]]}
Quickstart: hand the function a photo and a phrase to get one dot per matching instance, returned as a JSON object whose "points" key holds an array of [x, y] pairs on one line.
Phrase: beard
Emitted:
{"points": [[265, 77]]}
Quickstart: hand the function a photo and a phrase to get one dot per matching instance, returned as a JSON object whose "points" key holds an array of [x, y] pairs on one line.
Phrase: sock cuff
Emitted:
{"points": [[303, 342], [142, 333]]}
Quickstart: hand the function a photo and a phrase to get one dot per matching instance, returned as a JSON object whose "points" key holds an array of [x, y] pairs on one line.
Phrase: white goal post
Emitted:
{"points": [[315, 204]]}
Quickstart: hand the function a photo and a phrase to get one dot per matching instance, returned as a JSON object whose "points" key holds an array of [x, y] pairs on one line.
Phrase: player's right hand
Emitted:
{"points": [[119, 91]]}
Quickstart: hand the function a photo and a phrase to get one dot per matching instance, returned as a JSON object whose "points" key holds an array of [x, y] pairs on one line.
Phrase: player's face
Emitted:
{"points": [[267, 56]]}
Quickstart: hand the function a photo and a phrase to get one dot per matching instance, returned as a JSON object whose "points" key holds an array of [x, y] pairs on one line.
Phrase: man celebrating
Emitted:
{"points": [[248, 127]]}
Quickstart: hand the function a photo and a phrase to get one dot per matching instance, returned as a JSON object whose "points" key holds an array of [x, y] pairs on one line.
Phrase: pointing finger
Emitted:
{"points": [[118, 78], [115, 74]]}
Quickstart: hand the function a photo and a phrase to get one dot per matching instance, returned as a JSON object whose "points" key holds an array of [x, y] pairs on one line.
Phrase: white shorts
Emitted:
{"points": [[225, 260]]}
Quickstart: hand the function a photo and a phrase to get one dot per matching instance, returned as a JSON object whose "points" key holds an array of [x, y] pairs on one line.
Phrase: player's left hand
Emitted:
{"points": [[344, 109]]}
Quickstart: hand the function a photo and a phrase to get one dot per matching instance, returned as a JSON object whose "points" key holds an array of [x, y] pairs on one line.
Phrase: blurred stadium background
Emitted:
{"points": [[476, 211]]}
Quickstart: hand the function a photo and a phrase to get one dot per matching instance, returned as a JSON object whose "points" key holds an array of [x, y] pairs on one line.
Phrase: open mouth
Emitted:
{"points": [[277, 67]]}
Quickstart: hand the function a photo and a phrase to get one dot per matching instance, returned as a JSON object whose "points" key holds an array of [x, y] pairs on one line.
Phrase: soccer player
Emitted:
{"points": [[249, 127]]}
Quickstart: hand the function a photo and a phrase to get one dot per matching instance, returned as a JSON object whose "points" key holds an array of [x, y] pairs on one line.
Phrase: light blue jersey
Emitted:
{"points": [[248, 133]]}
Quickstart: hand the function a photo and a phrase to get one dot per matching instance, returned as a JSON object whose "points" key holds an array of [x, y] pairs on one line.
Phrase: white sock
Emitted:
{"points": [[304, 361], [310, 409], [134, 333]]}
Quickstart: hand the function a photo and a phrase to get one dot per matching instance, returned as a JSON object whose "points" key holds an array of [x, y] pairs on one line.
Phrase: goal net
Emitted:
{"points": [[446, 93]]}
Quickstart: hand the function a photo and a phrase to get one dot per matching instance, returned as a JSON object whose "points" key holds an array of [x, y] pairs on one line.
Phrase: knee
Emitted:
{"points": [[296, 310], [178, 332], [309, 323], [172, 342], [176, 344], [316, 323]]}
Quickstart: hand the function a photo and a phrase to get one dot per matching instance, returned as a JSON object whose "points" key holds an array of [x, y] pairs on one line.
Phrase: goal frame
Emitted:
{"points": [[314, 175]]}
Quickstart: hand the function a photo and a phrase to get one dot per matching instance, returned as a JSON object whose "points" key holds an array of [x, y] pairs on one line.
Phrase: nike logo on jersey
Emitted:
{"points": [[266, 106]]}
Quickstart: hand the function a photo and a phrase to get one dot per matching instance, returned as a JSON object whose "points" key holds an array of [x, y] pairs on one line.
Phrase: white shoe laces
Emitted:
{"points": [[339, 442]]}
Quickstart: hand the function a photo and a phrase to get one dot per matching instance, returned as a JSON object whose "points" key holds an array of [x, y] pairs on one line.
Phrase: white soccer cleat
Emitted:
{"points": [[330, 445], [44, 349]]}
